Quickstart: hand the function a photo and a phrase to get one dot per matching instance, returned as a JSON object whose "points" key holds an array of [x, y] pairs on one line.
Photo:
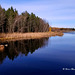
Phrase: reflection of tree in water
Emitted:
{"points": [[22, 47]]}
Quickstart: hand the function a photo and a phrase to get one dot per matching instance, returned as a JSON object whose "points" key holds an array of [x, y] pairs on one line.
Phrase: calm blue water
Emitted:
{"points": [[47, 56]]}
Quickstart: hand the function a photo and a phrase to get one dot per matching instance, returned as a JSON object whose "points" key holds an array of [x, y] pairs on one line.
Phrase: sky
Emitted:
{"points": [[58, 13]]}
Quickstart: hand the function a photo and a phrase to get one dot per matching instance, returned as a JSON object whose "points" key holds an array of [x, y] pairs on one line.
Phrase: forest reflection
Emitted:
{"points": [[15, 48]]}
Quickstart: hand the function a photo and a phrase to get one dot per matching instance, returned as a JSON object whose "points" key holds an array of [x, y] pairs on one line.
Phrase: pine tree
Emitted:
{"points": [[11, 21]]}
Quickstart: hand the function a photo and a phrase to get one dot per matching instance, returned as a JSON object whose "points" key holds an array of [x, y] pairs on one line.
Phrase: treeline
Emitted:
{"points": [[11, 21], [61, 29]]}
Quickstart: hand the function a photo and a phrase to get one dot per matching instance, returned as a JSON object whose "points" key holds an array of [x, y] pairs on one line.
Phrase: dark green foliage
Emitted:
{"points": [[11, 21]]}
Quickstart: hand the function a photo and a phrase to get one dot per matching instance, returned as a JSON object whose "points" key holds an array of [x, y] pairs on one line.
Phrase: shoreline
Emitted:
{"points": [[20, 36]]}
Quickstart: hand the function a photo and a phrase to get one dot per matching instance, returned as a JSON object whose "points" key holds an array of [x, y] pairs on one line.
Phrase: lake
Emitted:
{"points": [[45, 56]]}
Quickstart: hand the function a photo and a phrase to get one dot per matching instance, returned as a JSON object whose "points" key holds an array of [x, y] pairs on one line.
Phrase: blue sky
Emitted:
{"points": [[59, 13]]}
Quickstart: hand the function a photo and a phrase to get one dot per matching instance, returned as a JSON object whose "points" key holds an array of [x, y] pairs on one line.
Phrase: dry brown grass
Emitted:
{"points": [[11, 36]]}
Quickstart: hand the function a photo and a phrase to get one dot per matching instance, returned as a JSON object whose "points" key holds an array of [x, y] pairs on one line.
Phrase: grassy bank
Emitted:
{"points": [[18, 36], [56, 29]]}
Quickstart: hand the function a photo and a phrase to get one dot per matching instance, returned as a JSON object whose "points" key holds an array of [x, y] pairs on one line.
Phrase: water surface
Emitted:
{"points": [[46, 56]]}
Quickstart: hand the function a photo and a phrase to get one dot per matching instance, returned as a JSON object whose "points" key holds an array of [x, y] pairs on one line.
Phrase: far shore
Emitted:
{"points": [[20, 36]]}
